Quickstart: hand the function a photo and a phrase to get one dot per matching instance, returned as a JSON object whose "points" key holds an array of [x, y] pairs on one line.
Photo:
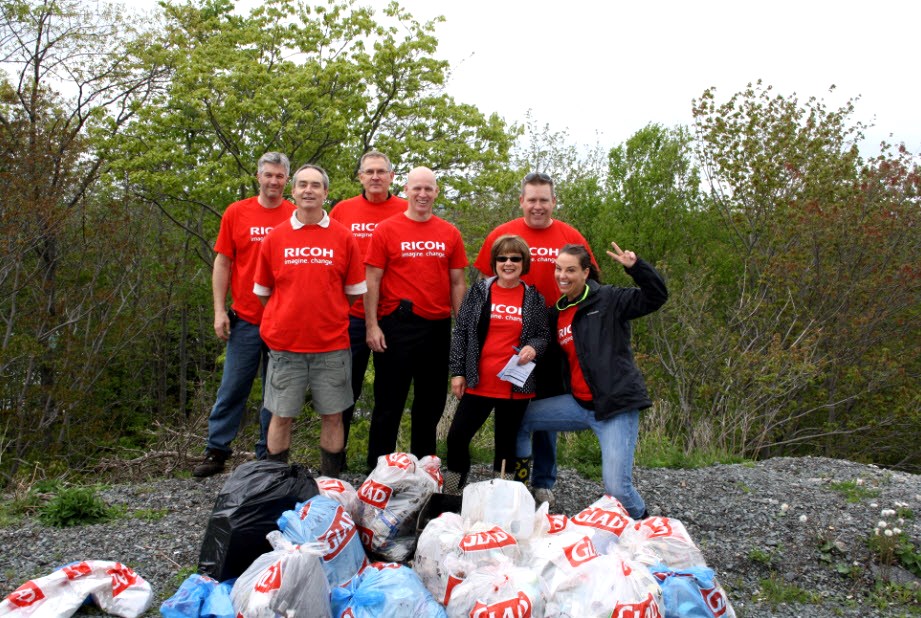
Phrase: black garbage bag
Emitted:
{"points": [[248, 508]]}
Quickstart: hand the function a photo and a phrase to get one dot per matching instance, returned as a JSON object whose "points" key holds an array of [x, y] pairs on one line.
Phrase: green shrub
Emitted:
{"points": [[76, 506]]}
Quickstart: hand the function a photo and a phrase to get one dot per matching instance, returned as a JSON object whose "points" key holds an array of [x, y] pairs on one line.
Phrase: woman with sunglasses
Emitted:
{"points": [[499, 317], [590, 344]]}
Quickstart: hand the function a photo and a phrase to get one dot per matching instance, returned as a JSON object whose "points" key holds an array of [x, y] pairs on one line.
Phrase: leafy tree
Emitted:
{"points": [[826, 284]]}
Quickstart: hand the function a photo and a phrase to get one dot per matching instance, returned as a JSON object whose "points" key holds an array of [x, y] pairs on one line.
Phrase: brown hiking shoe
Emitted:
{"points": [[213, 464]]}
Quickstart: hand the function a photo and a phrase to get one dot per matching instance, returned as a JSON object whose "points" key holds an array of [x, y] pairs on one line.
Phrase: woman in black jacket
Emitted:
{"points": [[602, 387], [500, 316]]}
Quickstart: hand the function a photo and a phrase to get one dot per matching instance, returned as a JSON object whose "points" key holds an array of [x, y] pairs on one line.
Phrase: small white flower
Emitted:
{"points": [[901, 521], [873, 505], [881, 524], [887, 513], [858, 482], [896, 531], [803, 519], [887, 532], [784, 507], [876, 531]]}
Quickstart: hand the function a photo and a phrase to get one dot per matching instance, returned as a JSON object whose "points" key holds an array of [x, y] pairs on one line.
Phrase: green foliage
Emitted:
{"points": [[777, 592], [150, 514], [75, 506], [853, 491]]}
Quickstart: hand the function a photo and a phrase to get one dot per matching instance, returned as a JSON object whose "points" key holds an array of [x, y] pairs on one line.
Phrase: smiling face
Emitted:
{"points": [[272, 179], [508, 271], [570, 276], [421, 191], [309, 191], [537, 203]]}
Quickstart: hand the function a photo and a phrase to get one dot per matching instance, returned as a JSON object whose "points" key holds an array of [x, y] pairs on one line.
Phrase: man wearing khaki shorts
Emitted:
{"points": [[309, 272]]}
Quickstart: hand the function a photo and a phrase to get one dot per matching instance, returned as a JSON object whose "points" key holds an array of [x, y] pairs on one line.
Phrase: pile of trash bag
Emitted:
{"points": [[499, 556]]}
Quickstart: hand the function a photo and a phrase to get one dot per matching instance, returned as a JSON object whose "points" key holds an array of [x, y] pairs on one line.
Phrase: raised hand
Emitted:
{"points": [[625, 258]]}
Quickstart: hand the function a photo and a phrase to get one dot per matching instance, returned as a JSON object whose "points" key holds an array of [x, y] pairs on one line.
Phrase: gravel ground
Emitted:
{"points": [[779, 520]]}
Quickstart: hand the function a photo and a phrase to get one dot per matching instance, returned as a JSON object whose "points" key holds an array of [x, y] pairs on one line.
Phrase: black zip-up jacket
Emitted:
{"points": [[472, 324], [601, 332]]}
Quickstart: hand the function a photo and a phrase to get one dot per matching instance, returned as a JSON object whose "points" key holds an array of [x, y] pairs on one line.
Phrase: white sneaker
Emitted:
{"points": [[541, 495]]}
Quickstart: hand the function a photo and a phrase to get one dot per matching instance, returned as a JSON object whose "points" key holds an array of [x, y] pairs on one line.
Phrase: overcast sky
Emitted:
{"points": [[603, 70]]}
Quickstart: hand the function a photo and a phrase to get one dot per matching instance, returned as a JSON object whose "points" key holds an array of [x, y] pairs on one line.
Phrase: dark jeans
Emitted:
{"points": [[244, 355], [361, 353], [472, 412], [417, 354]]}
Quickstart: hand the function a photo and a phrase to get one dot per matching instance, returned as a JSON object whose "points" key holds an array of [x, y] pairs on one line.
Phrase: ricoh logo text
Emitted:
{"points": [[565, 335], [506, 312], [308, 255], [544, 254]]}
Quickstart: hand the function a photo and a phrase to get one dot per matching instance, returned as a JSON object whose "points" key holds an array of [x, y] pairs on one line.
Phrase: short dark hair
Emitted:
{"points": [[509, 243], [538, 179]]}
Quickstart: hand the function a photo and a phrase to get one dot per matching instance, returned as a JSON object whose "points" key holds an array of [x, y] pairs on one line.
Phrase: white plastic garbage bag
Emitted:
{"points": [[602, 586], [661, 539], [288, 581], [325, 521], [385, 590], [501, 589], [448, 550], [114, 587], [392, 497], [343, 493], [607, 518], [507, 504]]}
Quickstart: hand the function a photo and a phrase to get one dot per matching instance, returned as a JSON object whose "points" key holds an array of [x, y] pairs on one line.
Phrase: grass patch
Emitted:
{"points": [[853, 491], [777, 592], [75, 506], [886, 595], [150, 514]]}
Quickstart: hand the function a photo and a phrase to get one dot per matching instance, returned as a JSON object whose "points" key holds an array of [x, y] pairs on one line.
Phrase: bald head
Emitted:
{"points": [[421, 191]]}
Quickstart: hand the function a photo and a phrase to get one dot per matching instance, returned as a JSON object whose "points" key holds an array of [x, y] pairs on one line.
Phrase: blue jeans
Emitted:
{"points": [[245, 352], [617, 436]]}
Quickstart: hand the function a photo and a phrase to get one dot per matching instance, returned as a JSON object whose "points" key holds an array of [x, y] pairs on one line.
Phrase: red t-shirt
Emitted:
{"points": [[361, 217], [580, 389], [416, 257], [545, 245], [503, 336], [307, 270], [243, 226]]}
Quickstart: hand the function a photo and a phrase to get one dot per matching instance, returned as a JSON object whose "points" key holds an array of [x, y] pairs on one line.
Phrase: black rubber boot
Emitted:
{"points": [[213, 464], [454, 483], [282, 456], [522, 470], [331, 463]]}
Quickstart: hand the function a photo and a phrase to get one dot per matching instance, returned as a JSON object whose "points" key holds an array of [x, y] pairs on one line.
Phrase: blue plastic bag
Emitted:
{"points": [[188, 600], [386, 590], [324, 520], [691, 593]]}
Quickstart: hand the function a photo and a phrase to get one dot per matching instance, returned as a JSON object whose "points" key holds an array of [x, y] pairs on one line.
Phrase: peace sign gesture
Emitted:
{"points": [[626, 258]]}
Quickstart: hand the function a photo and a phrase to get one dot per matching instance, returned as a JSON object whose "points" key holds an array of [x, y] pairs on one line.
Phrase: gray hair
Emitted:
{"points": [[275, 158], [311, 166], [375, 154]]}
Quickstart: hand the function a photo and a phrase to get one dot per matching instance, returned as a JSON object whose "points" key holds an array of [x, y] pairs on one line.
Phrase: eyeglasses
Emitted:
{"points": [[542, 177], [378, 172], [506, 258]]}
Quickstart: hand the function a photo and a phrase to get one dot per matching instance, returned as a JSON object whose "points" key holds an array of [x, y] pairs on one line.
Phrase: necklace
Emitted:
{"points": [[563, 304]]}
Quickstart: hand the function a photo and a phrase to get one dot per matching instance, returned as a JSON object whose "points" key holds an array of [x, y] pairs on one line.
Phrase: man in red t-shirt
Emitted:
{"points": [[415, 271], [360, 215], [308, 274], [545, 236], [243, 227]]}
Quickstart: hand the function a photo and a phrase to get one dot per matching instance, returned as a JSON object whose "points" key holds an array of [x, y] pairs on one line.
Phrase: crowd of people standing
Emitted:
{"points": [[537, 340]]}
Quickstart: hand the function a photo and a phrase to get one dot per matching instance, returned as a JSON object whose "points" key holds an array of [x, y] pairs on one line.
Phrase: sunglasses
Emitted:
{"points": [[538, 176], [505, 258]]}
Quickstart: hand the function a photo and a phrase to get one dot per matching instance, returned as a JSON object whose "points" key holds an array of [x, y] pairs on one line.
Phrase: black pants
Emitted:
{"points": [[417, 354], [361, 353], [471, 413]]}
